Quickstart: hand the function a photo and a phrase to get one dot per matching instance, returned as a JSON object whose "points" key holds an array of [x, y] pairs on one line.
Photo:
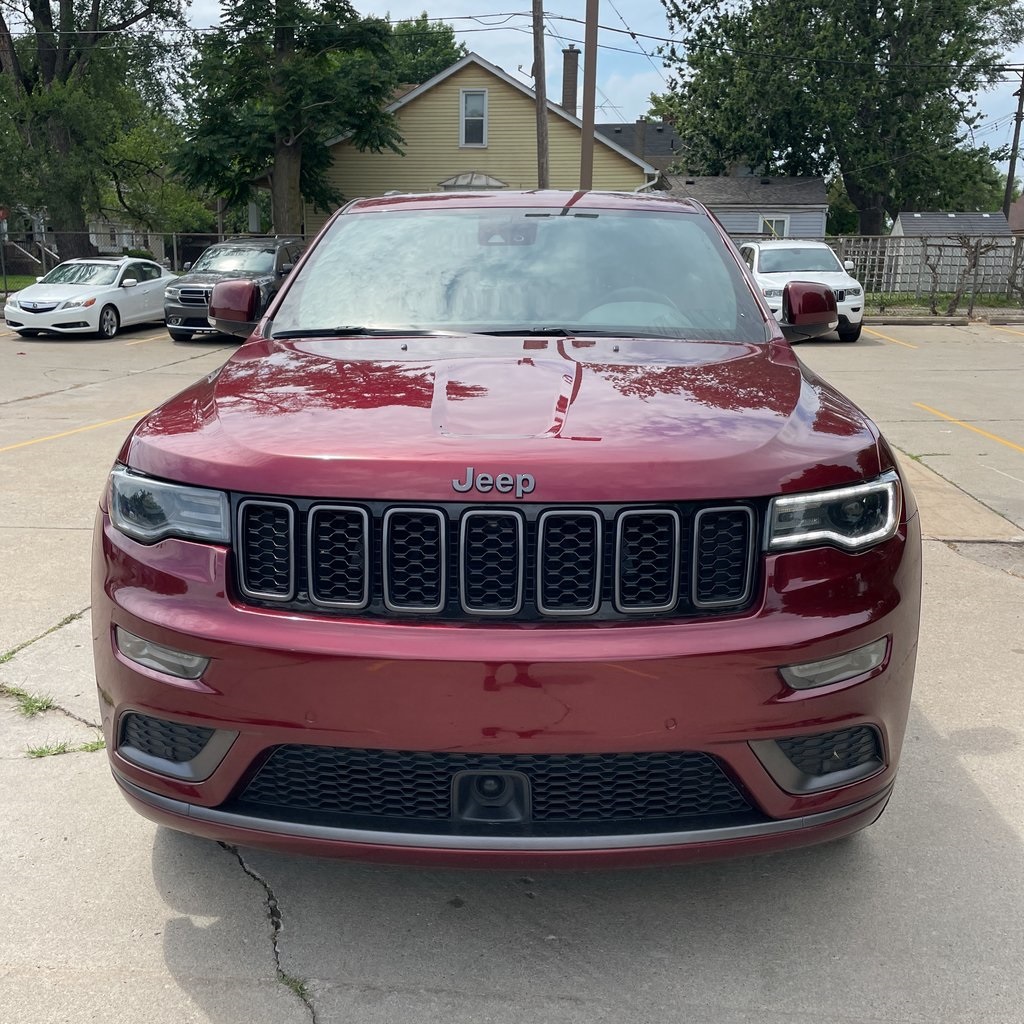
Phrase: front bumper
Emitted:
{"points": [[711, 686], [181, 317], [78, 320]]}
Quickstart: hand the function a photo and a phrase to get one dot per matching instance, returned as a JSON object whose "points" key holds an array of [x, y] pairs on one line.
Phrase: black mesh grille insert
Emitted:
{"points": [[157, 737], [564, 787], [266, 549], [829, 752], [648, 557], [569, 568], [722, 562], [492, 561], [338, 556], [414, 542]]}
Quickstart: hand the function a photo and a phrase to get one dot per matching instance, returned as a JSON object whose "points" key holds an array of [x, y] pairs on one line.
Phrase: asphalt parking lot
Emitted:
{"points": [[918, 920]]}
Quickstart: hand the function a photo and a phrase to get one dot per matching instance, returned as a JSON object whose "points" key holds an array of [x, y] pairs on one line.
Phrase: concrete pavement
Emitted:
{"points": [[918, 920]]}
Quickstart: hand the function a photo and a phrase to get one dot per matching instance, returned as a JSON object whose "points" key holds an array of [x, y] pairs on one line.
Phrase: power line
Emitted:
{"points": [[633, 35]]}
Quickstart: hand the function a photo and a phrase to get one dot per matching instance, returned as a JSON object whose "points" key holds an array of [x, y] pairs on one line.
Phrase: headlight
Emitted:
{"points": [[149, 510], [78, 303], [172, 292], [848, 517], [853, 291], [13, 303], [772, 293]]}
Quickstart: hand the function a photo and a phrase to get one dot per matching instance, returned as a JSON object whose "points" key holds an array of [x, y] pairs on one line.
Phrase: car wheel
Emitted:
{"points": [[179, 335], [109, 322], [851, 333]]}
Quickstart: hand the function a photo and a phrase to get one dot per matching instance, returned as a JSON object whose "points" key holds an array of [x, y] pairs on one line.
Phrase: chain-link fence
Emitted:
{"points": [[938, 275], [25, 256]]}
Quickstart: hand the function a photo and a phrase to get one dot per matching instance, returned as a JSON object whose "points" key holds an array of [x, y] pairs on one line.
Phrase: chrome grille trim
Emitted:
{"points": [[467, 518], [731, 602], [242, 534], [442, 523], [542, 526], [674, 569], [367, 555]]}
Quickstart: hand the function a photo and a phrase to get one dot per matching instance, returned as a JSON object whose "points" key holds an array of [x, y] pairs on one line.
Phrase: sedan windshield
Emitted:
{"points": [[82, 273], [240, 257], [784, 261], [578, 270]]}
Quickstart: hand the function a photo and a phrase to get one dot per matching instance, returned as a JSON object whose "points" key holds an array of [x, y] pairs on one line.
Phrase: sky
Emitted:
{"points": [[628, 70]]}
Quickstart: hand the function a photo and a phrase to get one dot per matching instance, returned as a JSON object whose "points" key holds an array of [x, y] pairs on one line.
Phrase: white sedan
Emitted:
{"points": [[97, 295]]}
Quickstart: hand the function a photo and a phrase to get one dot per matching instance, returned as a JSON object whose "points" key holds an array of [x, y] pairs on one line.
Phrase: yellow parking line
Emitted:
{"points": [[77, 430], [141, 341], [977, 430], [1006, 330], [885, 337]]}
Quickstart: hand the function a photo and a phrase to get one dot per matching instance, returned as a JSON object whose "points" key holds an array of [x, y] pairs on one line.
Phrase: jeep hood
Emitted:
{"points": [[590, 419]]}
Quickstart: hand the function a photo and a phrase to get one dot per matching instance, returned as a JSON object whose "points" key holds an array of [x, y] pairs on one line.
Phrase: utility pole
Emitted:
{"points": [[589, 96], [540, 89], [1008, 195]]}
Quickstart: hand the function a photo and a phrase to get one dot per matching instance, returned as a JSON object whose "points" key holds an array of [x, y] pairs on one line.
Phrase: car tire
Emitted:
{"points": [[179, 335], [110, 322], [851, 333]]}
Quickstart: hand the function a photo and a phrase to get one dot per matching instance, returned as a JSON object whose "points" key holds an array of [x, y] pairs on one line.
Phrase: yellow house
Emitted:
{"points": [[474, 126]]}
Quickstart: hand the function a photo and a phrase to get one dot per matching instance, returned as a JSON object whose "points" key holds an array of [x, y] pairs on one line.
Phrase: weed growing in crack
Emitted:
{"points": [[92, 746], [29, 704], [49, 749]]}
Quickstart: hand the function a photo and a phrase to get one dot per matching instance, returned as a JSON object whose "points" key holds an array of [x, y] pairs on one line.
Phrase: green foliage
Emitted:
{"points": [[880, 95], [422, 49], [293, 75], [70, 90]]}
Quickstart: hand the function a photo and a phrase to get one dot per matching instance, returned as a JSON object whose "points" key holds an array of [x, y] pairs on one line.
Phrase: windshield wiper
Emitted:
{"points": [[551, 332], [352, 331]]}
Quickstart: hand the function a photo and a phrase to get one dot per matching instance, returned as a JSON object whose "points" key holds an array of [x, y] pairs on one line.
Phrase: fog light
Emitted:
{"points": [[835, 670], [156, 656], [175, 320]]}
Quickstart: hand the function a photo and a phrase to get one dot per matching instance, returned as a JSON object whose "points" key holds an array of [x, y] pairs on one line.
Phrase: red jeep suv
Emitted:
{"points": [[515, 532]]}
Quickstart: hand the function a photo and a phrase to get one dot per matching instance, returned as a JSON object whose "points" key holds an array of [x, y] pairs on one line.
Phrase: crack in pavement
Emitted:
{"points": [[297, 985]]}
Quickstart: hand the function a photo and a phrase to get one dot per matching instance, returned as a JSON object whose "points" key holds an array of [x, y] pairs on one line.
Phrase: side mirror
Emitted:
{"points": [[234, 307], [129, 282], [848, 265], [808, 311], [186, 267], [39, 279], [286, 268]]}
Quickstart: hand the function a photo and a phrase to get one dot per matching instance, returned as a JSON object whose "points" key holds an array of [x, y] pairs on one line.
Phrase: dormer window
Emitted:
{"points": [[473, 129]]}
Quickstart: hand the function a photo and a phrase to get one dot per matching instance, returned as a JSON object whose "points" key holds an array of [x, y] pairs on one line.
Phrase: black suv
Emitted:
{"points": [[262, 259]]}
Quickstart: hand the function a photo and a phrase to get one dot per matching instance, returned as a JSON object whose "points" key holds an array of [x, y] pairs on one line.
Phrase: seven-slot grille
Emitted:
{"points": [[528, 562]]}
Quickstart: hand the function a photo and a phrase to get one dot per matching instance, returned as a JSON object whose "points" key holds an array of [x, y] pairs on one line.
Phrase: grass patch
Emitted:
{"points": [[49, 749], [15, 282], [65, 747], [29, 704], [297, 985], [7, 655]]}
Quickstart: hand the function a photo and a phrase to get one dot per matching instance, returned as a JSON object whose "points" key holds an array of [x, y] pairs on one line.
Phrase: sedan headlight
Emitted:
{"points": [[78, 303], [13, 303], [149, 510], [854, 517], [772, 293]]}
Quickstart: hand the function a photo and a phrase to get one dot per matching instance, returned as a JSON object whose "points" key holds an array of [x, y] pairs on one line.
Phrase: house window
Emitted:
{"points": [[473, 129], [777, 227]]}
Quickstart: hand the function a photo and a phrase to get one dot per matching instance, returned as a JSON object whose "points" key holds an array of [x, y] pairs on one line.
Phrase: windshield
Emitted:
{"points": [[82, 273], [644, 273], [783, 261], [236, 257]]}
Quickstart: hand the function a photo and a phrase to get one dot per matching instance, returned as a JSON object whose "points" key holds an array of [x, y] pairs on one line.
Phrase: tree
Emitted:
{"points": [[65, 82], [423, 48], [879, 94], [293, 74]]}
